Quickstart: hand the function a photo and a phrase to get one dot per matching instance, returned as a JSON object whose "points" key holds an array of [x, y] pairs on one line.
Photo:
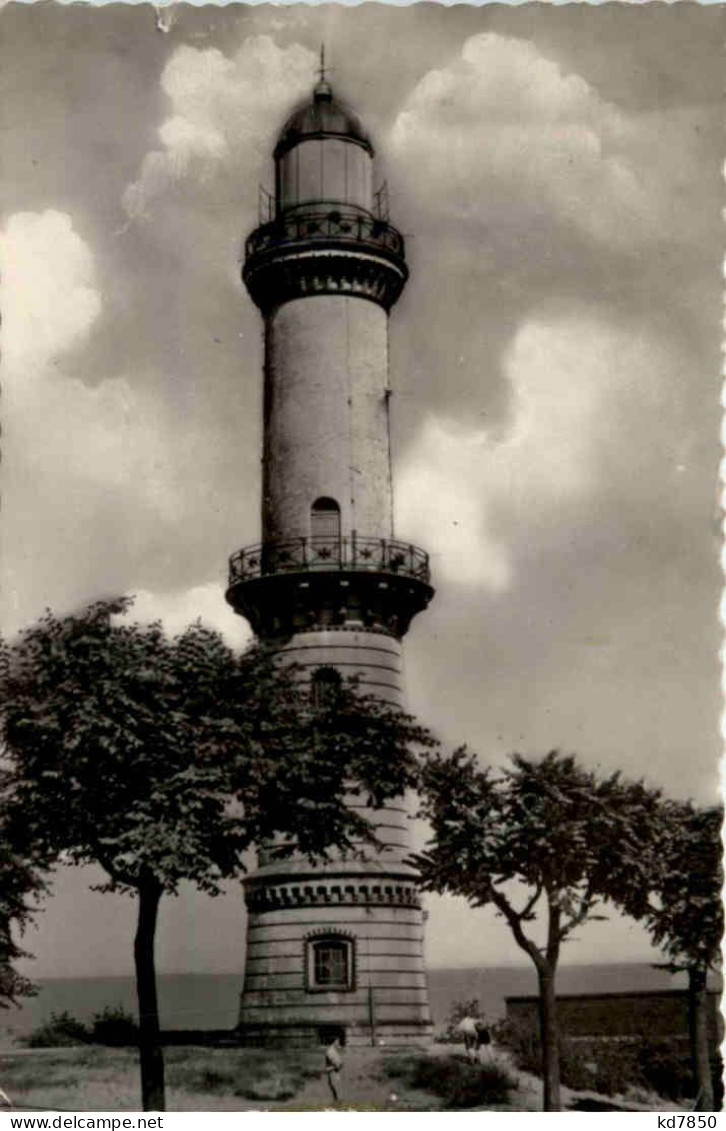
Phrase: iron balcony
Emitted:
{"points": [[336, 224], [350, 554]]}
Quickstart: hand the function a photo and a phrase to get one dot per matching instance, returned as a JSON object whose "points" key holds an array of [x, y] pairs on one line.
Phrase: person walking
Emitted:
{"points": [[468, 1030], [334, 1066], [475, 1032]]}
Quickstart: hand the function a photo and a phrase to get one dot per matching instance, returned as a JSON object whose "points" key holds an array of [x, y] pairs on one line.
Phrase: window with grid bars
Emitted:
{"points": [[330, 963]]}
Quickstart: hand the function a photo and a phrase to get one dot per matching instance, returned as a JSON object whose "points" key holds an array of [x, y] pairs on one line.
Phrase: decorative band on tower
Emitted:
{"points": [[337, 945], [319, 251]]}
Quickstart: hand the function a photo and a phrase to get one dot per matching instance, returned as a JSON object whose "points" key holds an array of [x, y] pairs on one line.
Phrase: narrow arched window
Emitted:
{"points": [[325, 520], [325, 688]]}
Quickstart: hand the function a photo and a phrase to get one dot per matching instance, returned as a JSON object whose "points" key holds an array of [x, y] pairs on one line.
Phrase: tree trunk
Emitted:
{"points": [[698, 1018], [549, 1039], [150, 1054]]}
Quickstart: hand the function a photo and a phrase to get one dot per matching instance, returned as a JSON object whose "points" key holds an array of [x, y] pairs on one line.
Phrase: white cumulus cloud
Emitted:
{"points": [[102, 434], [223, 112], [181, 608], [79, 461], [584, 394], [49, 296], [504, 128]]}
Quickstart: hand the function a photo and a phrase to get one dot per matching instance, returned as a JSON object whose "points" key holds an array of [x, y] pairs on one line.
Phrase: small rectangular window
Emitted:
{"points": [[330, 964]]}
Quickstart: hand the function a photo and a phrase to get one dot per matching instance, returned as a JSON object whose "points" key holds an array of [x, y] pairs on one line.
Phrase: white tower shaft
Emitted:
{"points": [[336, 946]]}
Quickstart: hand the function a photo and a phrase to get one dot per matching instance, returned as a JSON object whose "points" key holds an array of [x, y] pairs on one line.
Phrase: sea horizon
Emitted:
{"points": [[198, 1000], [239, 973]]}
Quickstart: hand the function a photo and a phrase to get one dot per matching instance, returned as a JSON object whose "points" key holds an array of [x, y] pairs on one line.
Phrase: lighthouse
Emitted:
{"points": [[337, 946]]}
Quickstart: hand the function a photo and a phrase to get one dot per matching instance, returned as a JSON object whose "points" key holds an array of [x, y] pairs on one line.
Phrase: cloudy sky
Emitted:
{"points": [[555, 364]]}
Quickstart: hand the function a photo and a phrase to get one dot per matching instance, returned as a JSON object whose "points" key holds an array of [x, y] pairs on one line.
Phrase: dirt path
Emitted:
{"points": [[362, 1084]]}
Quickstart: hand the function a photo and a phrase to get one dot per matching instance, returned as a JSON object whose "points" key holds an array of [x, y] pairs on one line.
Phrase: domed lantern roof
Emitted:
{"points": [[322, 117]]}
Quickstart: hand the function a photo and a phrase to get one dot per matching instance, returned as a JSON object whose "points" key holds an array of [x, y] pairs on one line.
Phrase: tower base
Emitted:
{"points": [[334, 952], [404, 1035]]}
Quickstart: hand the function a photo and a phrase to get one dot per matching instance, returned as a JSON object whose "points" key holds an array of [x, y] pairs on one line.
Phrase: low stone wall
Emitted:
{"points": [[654, 1014]]}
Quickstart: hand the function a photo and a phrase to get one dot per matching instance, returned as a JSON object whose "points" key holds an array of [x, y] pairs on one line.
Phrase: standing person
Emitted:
{"points": [[475, 1032], [334, 1066], [483, 1034], [467, 1027]]}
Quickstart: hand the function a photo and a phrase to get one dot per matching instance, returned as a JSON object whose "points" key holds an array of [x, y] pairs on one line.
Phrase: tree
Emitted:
{"points": [[571, 840], [685, 916], [21, 884], [165, 761]]}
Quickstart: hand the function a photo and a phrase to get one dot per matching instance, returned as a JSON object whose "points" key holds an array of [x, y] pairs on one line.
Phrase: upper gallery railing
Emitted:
{"points": [[351, 553], [336, 224]]}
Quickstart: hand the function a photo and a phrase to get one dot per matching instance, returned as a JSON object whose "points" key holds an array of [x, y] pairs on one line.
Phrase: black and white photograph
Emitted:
{"points": [[360, 690]]}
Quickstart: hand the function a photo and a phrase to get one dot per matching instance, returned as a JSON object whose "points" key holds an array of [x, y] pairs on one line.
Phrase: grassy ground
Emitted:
{"points": [[102, 1079]]}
